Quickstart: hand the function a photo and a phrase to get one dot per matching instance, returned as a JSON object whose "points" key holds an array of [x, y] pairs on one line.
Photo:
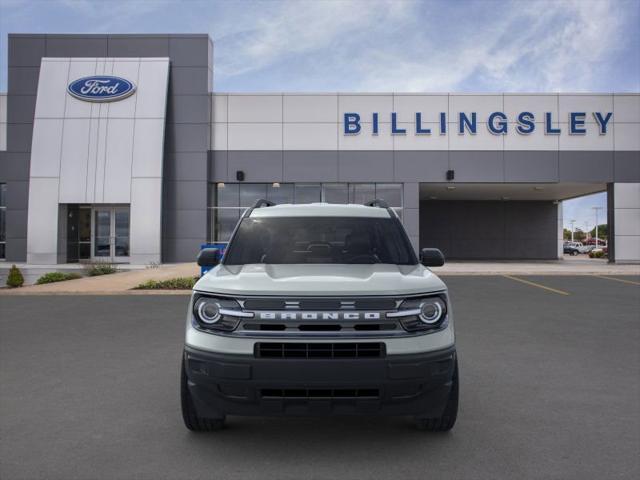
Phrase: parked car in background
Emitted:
{"points": [[570, 248], [586, 248]]}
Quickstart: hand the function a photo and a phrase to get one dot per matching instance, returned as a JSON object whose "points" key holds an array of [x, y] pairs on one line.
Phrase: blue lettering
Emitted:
{"points": [[525, 123], [602, 122], [394, 125], [375, 123], [501, 127], [351, 123], [470, 125], [576, 123], [419, 129], [443, 123], [548, 129]]}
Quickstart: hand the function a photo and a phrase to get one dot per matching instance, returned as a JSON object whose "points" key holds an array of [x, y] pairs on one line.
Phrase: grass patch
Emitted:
{"points": [[97, 269], [179, 283], [53, 277]]}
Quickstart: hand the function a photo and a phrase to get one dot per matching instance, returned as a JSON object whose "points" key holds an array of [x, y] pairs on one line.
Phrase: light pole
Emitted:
{"points": [[596, 210], [572, 222]]}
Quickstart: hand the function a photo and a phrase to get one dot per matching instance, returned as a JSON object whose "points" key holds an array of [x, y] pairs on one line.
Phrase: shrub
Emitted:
{"points": [[596, 254], [52, 277], [96, 269], [15, 278], [180, 283]]}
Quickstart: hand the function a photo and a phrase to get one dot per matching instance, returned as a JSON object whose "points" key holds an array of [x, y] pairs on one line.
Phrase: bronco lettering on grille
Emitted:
{"points": [[319, 315]]}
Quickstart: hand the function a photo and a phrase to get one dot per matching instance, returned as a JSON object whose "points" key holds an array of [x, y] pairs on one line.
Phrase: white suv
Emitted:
{"points": [[319, 309]]}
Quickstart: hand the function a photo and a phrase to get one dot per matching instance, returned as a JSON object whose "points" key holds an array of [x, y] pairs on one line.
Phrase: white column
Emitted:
{"points": [[560, 236], [626, 222]]}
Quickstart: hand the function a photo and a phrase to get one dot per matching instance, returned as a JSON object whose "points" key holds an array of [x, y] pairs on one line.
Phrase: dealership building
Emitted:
{"points": [[118, 148]]}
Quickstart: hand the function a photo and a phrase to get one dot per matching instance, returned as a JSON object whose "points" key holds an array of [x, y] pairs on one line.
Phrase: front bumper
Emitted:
{"points": [[227, 384]]}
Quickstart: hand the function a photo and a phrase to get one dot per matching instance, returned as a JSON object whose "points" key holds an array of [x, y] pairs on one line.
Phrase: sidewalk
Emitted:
{"points": [[115, 283]]}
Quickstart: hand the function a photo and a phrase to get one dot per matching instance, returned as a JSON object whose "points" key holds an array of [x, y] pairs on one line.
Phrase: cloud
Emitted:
{"points": [[416, 46]]}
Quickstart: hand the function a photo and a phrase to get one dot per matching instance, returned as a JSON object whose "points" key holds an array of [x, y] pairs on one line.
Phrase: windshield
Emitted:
{"points": [[344, 240]]}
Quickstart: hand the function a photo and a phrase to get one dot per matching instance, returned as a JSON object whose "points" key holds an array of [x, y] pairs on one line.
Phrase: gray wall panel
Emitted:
{"points": [[218, 164], [16, 222], [17, 247], [76, 46], [22, 108], [529, 166], [258, 166], [477, 166], [188, 109], [188, 80], [189, 51], [490, 230], [428, 166], [626, 166], [586, 166], [310, 166], [187, 137], [185, 166], [26, 50], [19, 137], [365, 166], [138, 46], [15, 167], [185, 195], [23, 80], [17, 195], [181, 249], [186, 223]]}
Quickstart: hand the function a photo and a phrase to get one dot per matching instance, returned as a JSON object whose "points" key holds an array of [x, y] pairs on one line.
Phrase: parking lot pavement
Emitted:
{"points": [[550, 388]]}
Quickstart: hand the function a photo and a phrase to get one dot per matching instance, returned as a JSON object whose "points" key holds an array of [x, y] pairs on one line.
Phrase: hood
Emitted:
{"points": [[319, 279]]}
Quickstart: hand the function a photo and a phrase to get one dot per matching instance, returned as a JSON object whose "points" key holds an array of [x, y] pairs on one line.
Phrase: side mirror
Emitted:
{"points": [[209, 257], [431, 257]]}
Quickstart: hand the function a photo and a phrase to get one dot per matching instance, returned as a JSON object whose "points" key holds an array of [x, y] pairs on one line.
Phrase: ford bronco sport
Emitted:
{"points": [[319, 309]]}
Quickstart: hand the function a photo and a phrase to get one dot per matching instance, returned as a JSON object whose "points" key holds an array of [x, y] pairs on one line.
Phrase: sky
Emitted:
{"points": [[377, 45]]}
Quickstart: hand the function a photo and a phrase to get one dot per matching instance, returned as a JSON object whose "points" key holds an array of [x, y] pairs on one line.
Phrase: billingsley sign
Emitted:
{"points": [[497, 123]]}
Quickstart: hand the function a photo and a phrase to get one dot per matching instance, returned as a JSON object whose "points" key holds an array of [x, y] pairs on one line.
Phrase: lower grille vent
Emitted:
{"points": [[320, 393], [320, 350]]}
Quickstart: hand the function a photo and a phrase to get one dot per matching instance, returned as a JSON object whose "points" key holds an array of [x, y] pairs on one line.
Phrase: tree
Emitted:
{"points": [[603, 231], [579, 235]]}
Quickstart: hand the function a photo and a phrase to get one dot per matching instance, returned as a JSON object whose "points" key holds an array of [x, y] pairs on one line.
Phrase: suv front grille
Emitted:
{"points": [[320, 304], [320, 393], [319, 350]]}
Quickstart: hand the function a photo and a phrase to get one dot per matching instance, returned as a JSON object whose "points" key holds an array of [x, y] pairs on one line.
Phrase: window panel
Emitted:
{"points": [[307, 193], [252, 192], [281, 194], [226, 195], [361, 193], [335, 193], [224, 221], [3, 194], [390, 192]]}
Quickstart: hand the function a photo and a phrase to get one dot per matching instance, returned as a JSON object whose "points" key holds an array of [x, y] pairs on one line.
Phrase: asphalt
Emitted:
{"points": [[550, 389]]}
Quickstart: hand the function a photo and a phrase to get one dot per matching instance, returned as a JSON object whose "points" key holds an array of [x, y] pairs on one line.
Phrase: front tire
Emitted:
{"points": [[191, 419], [447, 420]]}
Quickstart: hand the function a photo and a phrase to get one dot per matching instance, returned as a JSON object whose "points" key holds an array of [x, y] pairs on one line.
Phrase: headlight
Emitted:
{"points": [[214, 313], [208, 310], [431, 310], [427, 313]]}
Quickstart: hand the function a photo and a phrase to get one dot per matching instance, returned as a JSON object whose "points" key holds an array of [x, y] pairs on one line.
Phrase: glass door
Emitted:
{"points": [[111, 234]]}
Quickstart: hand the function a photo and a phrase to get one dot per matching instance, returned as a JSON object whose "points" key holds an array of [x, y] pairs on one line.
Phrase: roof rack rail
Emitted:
{"points": [[263, 203], [377, 203]]}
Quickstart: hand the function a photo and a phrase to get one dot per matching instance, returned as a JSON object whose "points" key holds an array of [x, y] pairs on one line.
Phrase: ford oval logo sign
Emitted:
{"points": [[101, 88]]}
